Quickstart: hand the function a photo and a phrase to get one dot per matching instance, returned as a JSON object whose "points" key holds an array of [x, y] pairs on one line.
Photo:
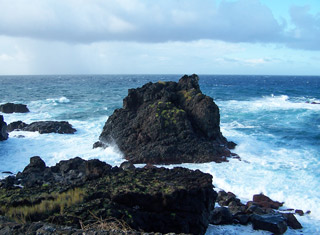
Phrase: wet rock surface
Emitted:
{"points": [[43, 127], [13, 108], [166, 123], [262, 212], [76, 192], [18, 125], [3, 129]]}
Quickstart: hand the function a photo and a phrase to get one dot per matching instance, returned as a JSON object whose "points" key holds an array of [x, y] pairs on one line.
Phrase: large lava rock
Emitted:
{"points": [[43, 127], [153, 200], [13, 108], [3, 129], [166, 123]]}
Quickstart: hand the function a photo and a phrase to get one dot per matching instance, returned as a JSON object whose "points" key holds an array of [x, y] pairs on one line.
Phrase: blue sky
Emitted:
{"points": [[160, 37]]}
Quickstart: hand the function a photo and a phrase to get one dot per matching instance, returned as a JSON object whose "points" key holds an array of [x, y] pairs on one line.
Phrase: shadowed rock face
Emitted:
{"points": [[166, 123], [13, 108], [3, 129], [153, 200]]}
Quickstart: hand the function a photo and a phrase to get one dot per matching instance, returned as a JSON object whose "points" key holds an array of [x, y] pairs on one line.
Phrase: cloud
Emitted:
{"points": [[138, 20], [144, 21], [306, 31]]}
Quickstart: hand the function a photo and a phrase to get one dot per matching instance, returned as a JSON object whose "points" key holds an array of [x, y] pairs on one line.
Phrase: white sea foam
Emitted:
{"points": [[282, 102], [283, 173]]}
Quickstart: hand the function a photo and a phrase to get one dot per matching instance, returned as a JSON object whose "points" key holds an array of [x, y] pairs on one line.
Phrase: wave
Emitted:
{"points": [[272, 102]]}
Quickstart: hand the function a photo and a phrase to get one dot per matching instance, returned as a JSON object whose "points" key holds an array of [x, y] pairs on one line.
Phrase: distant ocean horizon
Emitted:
{"points": [[274, 119]]}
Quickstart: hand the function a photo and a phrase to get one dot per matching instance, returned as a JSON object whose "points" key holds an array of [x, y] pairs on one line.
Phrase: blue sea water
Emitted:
{"points": [[271, 118]]}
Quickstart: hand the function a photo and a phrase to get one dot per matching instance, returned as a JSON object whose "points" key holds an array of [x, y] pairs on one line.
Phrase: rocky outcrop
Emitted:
{"points": [[262, 212], [13, 108], [3, 129], [168, 122], [18, 125], [76, 192], [273, 223], [44, 127]]}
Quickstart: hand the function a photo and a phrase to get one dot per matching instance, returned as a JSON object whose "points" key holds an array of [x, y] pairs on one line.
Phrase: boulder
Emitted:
{"points": [[3, 129], [221, 215], [13, 108], [161, 200], [18, 125], [166, 123], [275, 223], [266, 202], [43, 127], [292, 221]]}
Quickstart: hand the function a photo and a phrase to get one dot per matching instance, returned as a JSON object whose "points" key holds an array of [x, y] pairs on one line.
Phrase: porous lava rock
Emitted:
{"points": [[3, 129], [167, 123], [18, 125], [77, 193], [13, 108], [43, 127]]}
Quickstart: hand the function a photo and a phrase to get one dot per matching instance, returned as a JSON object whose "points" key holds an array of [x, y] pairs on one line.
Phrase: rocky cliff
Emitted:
{"points": [[166, 123]]}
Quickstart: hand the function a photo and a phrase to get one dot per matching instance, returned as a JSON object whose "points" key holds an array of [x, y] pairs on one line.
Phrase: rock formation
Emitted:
{"points": [[77, 192], [3, 129], [43, 127], [167, 123], [18, 125], [13, 108]]}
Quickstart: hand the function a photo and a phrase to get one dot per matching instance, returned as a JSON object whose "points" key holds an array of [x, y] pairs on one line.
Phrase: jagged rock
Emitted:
{"points": [[3, 129], [18, 125], [152, 200], [266, 202], [99, 144], [299, 212], [50, 127], [221, 215], [292, 221], [168, 122], [13, 108], [274, 223]]}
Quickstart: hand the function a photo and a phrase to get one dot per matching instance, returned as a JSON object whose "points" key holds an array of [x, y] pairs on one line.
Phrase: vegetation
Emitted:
{"points": [[55, 202]]}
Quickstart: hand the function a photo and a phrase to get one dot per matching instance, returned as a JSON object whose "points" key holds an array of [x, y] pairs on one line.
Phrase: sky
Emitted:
{"points": [[269, 37]]}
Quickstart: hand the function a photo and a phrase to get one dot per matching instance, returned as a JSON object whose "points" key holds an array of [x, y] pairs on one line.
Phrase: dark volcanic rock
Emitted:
{"points": [[50, 127], [168, 122], [152, 200], [18, 125], [221, 215], [266, 202], [13, 108], [274, 223], [3, 129], [292, 221]]}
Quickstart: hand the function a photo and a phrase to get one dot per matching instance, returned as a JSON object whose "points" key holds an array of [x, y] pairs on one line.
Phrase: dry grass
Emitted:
{"points": [[59, 203], [107, 224]]}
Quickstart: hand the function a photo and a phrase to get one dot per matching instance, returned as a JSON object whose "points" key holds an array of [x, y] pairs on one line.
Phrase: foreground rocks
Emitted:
{"points": [[262, 212], [3, 129], [77, 193], [166, 123], [43, 127], [13, 108]]}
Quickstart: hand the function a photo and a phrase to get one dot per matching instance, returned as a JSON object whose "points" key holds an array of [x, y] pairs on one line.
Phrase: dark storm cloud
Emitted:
{"points": [[79, 21]]}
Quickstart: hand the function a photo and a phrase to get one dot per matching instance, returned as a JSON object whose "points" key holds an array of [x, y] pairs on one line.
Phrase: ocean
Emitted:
{"points": [[275, 120]]}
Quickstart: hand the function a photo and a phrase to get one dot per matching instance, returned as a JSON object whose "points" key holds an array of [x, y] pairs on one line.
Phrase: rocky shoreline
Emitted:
{"points": [[76, 196], [160, 123]]}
